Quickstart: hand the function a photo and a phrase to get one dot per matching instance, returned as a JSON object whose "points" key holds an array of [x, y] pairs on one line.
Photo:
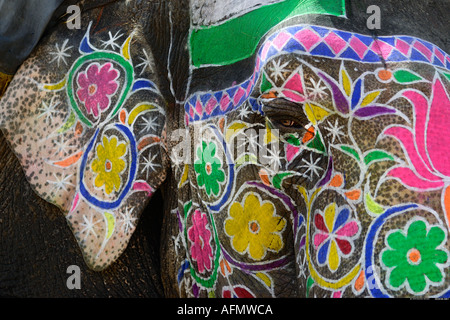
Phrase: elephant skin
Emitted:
{"points": [[310, 164]]}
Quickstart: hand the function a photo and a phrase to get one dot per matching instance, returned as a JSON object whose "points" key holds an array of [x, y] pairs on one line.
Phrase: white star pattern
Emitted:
{"points": [[278, 69], [61, 145], [145, 63], [273, 159], [111, 42], [61, 53], [317, 91], [312, 167], [48, 109], [243, 112], [127, 220], [150, 124], [334, 131], [249, 138], [149, 164], [89, 226], [253, 143], [176, 159], [60, 183]]}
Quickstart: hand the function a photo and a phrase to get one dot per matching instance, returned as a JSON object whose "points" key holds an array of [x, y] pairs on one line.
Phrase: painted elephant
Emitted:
{"points": [[299, 152]]}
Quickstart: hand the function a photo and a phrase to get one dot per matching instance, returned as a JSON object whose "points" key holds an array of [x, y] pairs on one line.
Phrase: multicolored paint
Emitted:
{"points": [[222, 43], [100, 151], [359, 203], [344, 191], [320, 42]]}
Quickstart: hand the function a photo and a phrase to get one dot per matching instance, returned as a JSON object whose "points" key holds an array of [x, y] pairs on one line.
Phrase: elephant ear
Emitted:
{"points": [[87, 122]]}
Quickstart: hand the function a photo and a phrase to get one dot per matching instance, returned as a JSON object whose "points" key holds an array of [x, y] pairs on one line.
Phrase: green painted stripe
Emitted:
{"points": [[238, 38]]}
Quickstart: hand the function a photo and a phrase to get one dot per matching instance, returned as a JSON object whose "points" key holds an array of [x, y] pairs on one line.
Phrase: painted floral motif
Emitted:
{"points": [[254, 227], [208, 168], [109, 164], [334, 235], [428, 146], [200, 237], [412, 257], [96, 86], [352, 100]]}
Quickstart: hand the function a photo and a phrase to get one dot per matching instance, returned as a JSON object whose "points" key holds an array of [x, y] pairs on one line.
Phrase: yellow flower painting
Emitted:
{"points": [[254, 227], [108, 165]]}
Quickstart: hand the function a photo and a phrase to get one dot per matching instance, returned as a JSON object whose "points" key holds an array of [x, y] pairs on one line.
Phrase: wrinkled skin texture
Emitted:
{"points": [[311, 176]]}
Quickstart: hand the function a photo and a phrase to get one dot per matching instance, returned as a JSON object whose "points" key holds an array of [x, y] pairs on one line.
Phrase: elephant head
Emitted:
{"points": [[300, 158], [315, 170]]}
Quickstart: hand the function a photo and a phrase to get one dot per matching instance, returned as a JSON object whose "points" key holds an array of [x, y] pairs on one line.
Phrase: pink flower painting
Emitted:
{"points": [[96, 86], [200, 237], [427, 145]]}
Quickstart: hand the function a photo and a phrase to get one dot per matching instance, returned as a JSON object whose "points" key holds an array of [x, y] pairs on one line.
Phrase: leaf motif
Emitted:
{"points": [[69, 161], [377, 155], [69, 123], [265, 278], [317, 144], [233, 129], [405, 76], [315, 113], [360, 282], [351, 151], [373, 111], [356, 95], [147, 140], [370, 97], [126, 47], [186, 208], [142, 185], [278, 178], [373, 206], [184, 176], [111, 222], [339, 98], [138, 110], [353, 194], [264, 177], [265, 84], [270, 136], [346, 82], [291, 139], [55, 86], [309, 284]]}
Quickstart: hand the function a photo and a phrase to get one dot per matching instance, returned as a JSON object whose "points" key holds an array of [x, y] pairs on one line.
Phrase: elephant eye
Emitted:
{"points": [[285, 115], [288, 123]]}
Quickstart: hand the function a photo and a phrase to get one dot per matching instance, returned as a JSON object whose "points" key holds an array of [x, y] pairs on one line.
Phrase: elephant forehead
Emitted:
{"points": [[347, 179], [320, 42]]}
